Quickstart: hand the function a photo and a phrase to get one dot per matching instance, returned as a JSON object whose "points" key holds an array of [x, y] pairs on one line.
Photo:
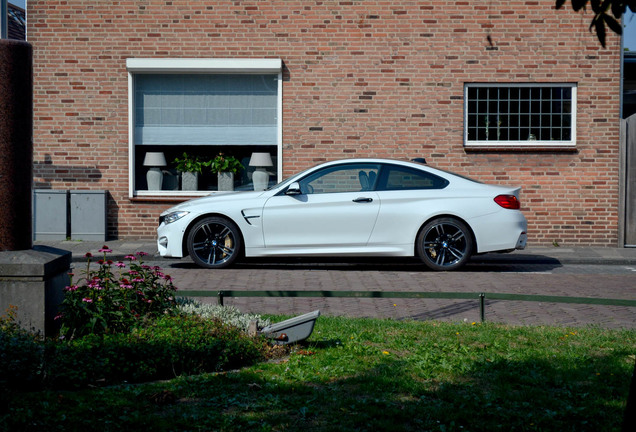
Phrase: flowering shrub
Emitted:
{"points": [[105, 302]]}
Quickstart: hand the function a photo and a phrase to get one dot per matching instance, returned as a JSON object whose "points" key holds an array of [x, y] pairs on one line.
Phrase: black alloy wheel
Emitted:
{"points": [[214, 243], [445, 244]]}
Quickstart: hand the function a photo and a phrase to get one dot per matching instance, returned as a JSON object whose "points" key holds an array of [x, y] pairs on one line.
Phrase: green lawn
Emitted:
{"points": [[374, 375]]}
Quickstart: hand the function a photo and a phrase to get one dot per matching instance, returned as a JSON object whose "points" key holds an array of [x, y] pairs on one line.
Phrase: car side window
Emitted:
{"points": [[404, 178], [341, 178]]}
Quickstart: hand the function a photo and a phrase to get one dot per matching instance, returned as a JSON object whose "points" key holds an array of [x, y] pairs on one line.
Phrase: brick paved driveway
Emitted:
{"points": [[577, 281]]}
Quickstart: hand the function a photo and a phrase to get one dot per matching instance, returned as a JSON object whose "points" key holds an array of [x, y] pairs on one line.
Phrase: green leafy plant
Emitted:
{"points": [[222, 163], [105, 302], [189, 163], [163, 348], [21, 355]]}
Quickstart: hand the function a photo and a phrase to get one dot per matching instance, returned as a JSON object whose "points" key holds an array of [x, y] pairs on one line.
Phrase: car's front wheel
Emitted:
{"points": [[445, 244], [214, 242]]}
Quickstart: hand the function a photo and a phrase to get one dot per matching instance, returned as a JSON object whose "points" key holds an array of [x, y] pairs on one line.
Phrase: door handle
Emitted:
{"points": [[362, 200]]}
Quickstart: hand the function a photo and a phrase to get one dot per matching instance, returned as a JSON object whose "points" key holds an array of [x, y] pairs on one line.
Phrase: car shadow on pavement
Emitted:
{"points": [[518, 264]]}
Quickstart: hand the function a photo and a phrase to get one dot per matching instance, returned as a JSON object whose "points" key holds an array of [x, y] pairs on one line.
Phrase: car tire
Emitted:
{"points": [[214, 242], [445, 244]]}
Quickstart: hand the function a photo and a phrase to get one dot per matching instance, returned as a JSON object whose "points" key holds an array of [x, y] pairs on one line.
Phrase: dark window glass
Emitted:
{"points": [[404, 178], [341, 178]]}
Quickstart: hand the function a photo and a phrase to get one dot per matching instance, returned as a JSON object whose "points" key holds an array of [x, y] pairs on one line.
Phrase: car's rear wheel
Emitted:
{"points": [[214, 242], [445, 244]]}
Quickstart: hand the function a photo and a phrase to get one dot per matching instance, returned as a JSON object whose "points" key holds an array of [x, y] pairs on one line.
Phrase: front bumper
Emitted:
{"points": [[170, 239]]}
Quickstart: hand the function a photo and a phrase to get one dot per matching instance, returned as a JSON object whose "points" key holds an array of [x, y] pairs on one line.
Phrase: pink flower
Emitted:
{"points": [[95, 284], [87, 300], [141, 254], [167, 277], [88, 255], [71, 288], [120, 264], [130, 257], [105, 249], [139, 280], [125, 286]]}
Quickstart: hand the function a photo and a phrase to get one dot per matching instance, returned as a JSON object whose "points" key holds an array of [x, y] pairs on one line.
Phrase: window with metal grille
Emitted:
{"points": [[520, 114]]}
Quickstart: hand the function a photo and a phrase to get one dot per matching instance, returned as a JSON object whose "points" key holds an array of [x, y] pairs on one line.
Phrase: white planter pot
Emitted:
{"points": [[226, 181], [189, 181]]}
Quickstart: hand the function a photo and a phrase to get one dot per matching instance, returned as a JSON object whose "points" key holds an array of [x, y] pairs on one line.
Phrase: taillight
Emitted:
{"points": [[508, 202]]}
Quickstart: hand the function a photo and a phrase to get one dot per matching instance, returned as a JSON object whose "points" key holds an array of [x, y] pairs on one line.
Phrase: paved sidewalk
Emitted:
{"points": [[533, 255], [569, 272]]}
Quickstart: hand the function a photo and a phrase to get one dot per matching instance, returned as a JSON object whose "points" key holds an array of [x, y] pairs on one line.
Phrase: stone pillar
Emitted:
{"points": [[32, 279], [16, 145]]}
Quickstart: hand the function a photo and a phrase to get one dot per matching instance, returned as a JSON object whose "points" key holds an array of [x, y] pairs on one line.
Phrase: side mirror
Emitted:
{"points": [[293, 189]]}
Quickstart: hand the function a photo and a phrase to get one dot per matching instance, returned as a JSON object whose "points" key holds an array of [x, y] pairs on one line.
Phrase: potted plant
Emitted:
{"points": [[225, 167], [190, 168]]}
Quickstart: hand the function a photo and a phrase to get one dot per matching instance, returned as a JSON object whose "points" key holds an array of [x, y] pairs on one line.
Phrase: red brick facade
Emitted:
{"points": [[361, 78]]}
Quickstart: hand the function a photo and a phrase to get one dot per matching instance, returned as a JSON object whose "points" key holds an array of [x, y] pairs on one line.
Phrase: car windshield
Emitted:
{"points": [[288, 180]]}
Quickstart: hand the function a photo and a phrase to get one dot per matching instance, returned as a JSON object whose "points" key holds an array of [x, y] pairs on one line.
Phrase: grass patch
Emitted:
{"points": [[370, 375]]}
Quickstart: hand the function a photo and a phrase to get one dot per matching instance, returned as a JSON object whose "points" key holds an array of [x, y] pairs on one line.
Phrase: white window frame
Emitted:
{"points": [[196, 65], [521, 143]]}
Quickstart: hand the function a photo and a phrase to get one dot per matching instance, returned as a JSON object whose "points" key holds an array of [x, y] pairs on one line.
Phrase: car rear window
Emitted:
{"points": [[404, 178]]}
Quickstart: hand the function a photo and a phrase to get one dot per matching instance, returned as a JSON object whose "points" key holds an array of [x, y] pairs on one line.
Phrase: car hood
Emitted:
{"points": [[216, 200]]}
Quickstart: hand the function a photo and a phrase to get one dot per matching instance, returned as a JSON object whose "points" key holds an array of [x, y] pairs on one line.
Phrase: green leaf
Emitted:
{"points": [[596, 6], [577, 5], [618, 9], [600, 30], [613, 24]]}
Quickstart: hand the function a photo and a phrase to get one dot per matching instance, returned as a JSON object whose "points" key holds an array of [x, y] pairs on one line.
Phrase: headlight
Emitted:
{"points": [[172, 217]]}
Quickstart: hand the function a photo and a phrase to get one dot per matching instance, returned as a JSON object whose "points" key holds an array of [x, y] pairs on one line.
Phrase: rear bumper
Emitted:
{"points": [[501, 231], [522, 241]]}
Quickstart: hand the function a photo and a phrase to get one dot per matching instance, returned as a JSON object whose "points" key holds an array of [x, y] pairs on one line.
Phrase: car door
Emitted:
{"points": [[335, 210], [409, 196]]}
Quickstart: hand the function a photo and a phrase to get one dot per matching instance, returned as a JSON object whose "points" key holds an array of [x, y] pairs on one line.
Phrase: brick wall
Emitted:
{"points": [[361, 78]]}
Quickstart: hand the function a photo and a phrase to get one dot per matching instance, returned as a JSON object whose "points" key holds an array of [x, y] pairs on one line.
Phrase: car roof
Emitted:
{"points": [[409, 163]]}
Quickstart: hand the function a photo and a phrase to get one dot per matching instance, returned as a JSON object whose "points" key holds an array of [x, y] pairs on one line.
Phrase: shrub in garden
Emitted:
{"points": [[21, 355], [164, 348], [115, 297], [227, 314]]}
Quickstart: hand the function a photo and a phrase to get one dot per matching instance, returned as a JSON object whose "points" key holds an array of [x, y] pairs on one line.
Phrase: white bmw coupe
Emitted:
{"points": [[352, 207]]}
